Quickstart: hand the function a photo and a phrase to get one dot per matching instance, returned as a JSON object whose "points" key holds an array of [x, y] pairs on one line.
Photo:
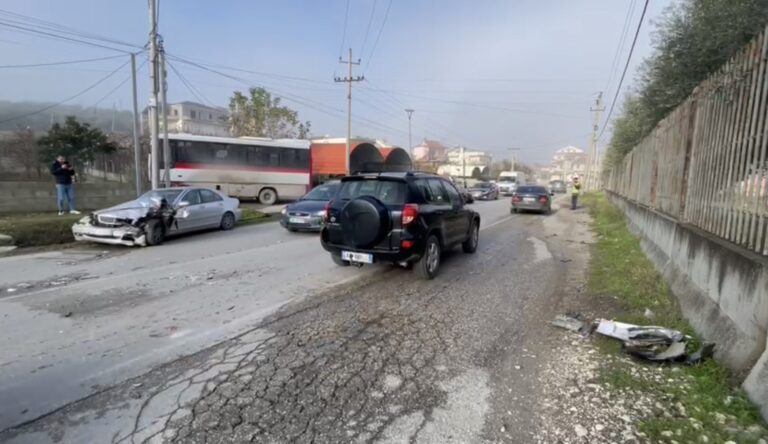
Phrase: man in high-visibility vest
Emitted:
{"points": [[575, 193]]}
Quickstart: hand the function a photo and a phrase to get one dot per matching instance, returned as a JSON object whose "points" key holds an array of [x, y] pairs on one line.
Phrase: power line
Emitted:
{"points": [[191, 61], [52, 26], [195, 92], [624, 73], [378, 36], [112, 91], [368, 28], [344, 33], [99, 82], [620, 46], [69, 62], [60, 37]]}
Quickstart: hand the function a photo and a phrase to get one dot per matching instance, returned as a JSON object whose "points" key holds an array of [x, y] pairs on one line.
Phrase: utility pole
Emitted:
{"points": [[463, 166], [349, 79], [410, 143], [164, 105], [592, 179], [136, 145], [512, 157], [152, 108]]}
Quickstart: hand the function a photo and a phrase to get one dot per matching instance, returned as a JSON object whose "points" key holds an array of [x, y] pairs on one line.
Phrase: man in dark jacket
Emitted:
{"points": [[63, 172]]}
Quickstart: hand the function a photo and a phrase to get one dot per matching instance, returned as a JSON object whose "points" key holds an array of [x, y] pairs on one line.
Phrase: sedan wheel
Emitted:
{"points": [[227, 221]]}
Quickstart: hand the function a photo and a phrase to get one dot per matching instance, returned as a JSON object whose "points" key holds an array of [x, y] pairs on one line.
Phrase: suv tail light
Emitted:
{"points": [[516, 198], [327, 216], [410, 213]]}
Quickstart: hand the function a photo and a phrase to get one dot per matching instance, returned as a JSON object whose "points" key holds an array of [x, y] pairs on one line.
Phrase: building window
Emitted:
{"points": [[175, 113], [193, 114], [210, 116]]}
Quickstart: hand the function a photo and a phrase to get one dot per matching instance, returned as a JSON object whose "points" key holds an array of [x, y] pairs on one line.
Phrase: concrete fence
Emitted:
{"points": [[30, 197], [695, 191]]}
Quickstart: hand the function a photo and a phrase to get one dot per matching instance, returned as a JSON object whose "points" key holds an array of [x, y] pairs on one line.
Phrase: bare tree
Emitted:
{"points": [[22, 149]]}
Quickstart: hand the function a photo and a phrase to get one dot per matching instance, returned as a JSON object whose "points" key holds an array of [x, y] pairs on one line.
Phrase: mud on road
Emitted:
{"points": [[393, 359]]}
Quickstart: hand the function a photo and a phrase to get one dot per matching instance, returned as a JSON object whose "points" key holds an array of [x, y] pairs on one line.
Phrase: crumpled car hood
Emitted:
{"points": [[129, 210]]}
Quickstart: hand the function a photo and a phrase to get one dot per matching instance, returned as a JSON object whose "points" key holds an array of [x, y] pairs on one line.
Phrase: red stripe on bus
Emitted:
{"points": [[208, 166]]}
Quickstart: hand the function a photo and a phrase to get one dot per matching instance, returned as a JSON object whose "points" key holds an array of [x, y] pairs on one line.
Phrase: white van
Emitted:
{"points": [[508, 181]]}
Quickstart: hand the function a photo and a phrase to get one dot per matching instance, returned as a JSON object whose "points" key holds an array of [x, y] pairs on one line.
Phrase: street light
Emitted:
{"points": [[410, 143]]}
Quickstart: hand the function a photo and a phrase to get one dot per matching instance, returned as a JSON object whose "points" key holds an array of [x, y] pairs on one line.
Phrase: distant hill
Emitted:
{"points": [[98, 117]]}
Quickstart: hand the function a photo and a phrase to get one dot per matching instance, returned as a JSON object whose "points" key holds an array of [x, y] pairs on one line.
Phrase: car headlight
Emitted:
{"points": [[283, 211], [320, 213]]}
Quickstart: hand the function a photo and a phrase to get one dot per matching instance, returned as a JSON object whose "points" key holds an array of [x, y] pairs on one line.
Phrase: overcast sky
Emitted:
{"points": [[488, 74]]}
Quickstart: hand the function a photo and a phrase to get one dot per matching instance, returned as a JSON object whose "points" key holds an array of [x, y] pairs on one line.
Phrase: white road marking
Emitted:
{"points": [[501, 221]]}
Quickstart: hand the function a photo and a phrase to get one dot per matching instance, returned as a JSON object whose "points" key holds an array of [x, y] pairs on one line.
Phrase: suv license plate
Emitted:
{"points": [[351, 256]]}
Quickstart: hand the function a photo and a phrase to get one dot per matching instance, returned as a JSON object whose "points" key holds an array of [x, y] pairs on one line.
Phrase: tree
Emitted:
{"points": [[76, 141], [692, 40], [261, 115], [22, 148]]}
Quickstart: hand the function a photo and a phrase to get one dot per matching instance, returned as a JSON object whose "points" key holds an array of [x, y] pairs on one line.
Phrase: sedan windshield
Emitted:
{"points": [[152, 198], [322, 192]]}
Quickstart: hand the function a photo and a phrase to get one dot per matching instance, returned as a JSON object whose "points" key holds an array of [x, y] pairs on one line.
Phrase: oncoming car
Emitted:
{"points": [[307, 213], [157, 214], [484, 191]]}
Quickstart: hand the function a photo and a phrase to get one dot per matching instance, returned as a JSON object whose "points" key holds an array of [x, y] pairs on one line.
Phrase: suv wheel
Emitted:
{"points": [[339, 261], [427, 266], [470, 245]]}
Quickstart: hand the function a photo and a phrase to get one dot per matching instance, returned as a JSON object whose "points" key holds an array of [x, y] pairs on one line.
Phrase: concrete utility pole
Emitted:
{"points": [[164, 105], [592, 173], [512, 157], [349, 79], [136, 145], [410, 143], [463, 166], [152, 108]]}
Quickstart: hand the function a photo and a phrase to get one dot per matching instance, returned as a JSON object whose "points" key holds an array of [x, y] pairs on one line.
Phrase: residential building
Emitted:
{"points": [[195, 118], [568, 162], [464, 162], [429, 151]]}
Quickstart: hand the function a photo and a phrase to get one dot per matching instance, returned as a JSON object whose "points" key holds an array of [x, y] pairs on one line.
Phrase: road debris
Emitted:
{"points": [[652, 343]]}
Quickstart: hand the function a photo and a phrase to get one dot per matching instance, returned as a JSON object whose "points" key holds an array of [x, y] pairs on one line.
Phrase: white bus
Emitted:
{"points": [[246, 167]]}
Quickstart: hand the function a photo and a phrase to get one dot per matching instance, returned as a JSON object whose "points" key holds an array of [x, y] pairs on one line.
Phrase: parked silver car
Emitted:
{"points": [[157, 214]]}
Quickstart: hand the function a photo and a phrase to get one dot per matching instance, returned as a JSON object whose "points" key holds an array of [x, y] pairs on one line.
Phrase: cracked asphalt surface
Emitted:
{"points": [[387, 358]]}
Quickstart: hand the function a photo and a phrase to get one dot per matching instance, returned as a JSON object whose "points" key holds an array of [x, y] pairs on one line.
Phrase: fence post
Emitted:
{"points": [[690, 136]]}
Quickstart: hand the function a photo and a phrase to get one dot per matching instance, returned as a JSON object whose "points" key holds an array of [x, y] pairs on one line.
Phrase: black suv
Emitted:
{"points": [[403, 218]]}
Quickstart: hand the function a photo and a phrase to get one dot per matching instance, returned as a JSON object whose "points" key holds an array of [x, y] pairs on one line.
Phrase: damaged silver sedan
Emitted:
{"points": [[158, 214]]}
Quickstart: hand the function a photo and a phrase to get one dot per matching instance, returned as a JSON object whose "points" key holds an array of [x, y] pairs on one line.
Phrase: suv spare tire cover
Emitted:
{"points": [[364, 222]]}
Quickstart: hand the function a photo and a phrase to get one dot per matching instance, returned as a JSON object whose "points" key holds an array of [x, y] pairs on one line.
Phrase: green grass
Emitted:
{"points": [[44, 229], [38, 229], [621, 272], [251, 216]]}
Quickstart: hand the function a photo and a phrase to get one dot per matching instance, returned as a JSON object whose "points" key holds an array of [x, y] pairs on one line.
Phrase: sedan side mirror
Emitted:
{"points": [[551, 193], [183, 204]]}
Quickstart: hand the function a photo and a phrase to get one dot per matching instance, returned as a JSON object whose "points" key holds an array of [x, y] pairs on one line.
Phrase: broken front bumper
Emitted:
{"points": [[127, 235]]}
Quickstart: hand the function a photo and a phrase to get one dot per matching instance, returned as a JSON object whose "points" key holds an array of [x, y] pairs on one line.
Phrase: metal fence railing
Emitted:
{"points": [[705, 164]]}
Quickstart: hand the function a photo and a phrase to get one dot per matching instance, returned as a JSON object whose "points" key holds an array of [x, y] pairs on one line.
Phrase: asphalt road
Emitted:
{"points": [[77, 322]]}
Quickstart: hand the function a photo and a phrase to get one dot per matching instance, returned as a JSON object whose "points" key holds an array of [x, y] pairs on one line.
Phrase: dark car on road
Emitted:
{"points": [[484, 191], [532, 198], [558, 186], [307, 213], [402, 218]]}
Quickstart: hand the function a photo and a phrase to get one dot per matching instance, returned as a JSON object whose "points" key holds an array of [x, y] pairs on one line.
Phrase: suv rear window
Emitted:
{"points": [[389, 192]]}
